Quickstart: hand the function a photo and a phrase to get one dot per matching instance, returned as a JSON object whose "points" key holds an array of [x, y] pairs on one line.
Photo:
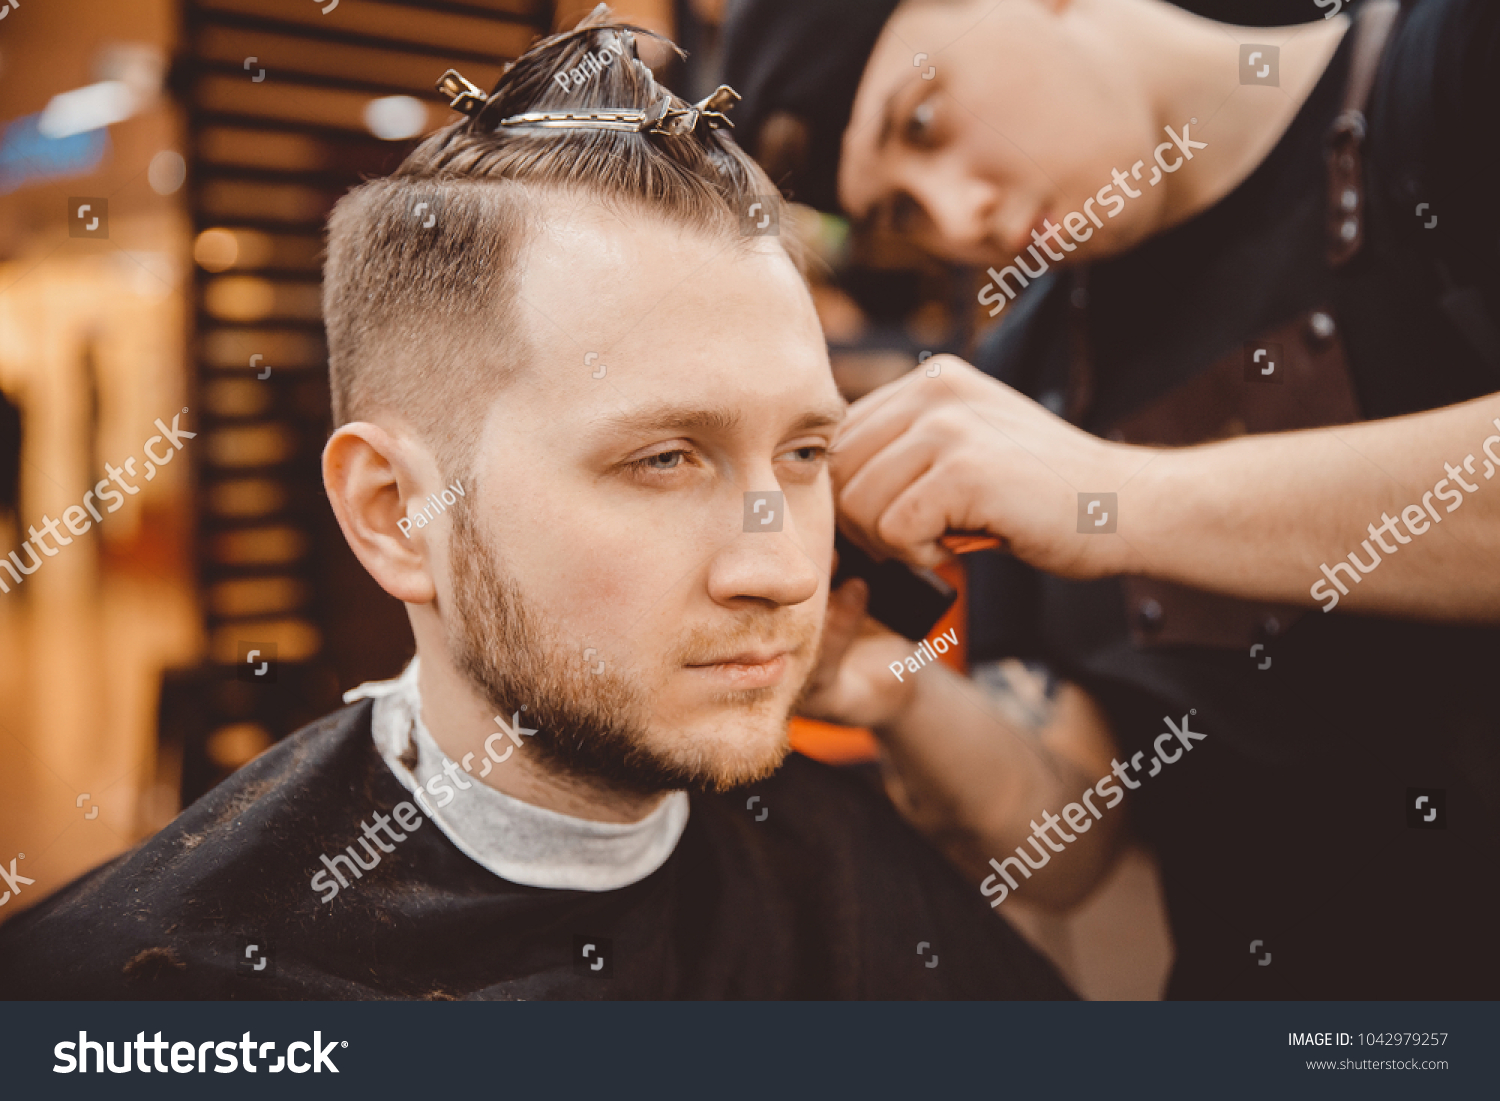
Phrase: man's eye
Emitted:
{"points": [[661, 461], [809, 454]]}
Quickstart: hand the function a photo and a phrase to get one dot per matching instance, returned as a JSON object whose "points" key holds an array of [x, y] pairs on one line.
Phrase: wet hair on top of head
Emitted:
{"points": [[423, 266], [668, 115], [581, 107]]}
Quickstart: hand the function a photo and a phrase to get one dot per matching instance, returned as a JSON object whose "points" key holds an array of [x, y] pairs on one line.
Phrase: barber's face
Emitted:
{"points": [[1025, 114], [672, 374]]}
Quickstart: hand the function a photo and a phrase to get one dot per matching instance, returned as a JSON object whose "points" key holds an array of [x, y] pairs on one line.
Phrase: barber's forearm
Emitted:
{"points": [[1258, 516], [979, 781]]}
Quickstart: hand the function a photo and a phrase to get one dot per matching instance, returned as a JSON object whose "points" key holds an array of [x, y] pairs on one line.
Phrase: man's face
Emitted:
{"points": [[1014, 113], [606, 576]]}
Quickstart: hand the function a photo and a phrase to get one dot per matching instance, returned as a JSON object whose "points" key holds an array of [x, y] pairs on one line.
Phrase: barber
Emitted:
{"points": [[967, 164], [1338, 226]]}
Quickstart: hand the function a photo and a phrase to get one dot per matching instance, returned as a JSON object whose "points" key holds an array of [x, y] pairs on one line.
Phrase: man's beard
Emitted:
{"points": [[592, 726]]}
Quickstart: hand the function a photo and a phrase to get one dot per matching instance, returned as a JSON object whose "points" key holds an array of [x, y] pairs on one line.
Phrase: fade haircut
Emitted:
{"points": [[421, 318]]}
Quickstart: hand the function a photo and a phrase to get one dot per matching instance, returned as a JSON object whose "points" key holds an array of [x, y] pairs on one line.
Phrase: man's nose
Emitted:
{"points": [[770, 567]]}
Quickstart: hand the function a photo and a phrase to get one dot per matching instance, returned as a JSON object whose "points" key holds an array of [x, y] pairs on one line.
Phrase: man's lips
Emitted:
{"points": [[745, 669], [743, 657]]}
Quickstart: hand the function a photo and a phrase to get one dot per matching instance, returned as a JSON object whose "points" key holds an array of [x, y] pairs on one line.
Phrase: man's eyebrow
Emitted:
{"points": [[691, 418], [666, 414], [828, 416]]}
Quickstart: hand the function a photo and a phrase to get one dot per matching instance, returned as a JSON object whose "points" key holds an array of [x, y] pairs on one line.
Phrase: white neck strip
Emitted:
{"points": [[513, 839]]}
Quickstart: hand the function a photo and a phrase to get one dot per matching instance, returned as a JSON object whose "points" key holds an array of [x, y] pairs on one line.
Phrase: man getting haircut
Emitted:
{"points": [[582, 418]]}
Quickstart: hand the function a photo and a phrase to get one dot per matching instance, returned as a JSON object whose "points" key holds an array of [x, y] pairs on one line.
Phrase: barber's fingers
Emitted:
{"points": [[862, 500], [945, 496], [932, 480], [935, 502], [882, 397], [888, 448], [885, 414], [880, 417]]}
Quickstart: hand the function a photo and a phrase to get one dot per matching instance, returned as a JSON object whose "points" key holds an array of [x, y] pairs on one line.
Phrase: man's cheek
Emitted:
{"points": [[812, 505], [606, 607]]}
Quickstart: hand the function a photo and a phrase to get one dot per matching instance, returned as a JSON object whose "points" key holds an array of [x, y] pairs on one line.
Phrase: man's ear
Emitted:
{"points": [[369, 478]]}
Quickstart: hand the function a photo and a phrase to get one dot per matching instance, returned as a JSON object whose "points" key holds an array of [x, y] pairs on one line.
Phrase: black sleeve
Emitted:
{"points": [[1435, 125]]}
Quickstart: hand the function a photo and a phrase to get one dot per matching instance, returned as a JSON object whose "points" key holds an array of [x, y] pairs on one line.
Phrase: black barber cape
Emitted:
{"points": [[820, 891], [1296, 860]]}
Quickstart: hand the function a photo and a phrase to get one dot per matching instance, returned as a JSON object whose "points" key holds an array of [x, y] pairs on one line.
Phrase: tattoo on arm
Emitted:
{"points": [[1025, 693]]}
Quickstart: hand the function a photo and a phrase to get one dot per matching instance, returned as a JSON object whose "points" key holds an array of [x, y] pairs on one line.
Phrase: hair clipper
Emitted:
{"points": [[909, 600]]}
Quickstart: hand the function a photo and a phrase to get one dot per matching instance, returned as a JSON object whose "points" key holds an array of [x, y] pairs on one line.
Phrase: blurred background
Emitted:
{"points": [[165, 170]]}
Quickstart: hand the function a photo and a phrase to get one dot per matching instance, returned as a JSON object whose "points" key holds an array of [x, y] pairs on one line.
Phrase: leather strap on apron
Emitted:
{"points": [[1346, 173]]}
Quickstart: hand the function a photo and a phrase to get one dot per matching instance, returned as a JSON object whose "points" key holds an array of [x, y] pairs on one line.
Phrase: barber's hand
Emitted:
{"points": [[949, 448], [852, 683]]}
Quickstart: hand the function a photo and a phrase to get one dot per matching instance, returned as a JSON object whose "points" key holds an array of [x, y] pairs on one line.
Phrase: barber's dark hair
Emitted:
{"points": [[419, 301]]}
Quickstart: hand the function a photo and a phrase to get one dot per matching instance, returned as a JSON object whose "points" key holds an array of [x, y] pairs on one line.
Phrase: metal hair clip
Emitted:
{"points": [[465, 96], [578, 120], [462, 95], [661, 119]]}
